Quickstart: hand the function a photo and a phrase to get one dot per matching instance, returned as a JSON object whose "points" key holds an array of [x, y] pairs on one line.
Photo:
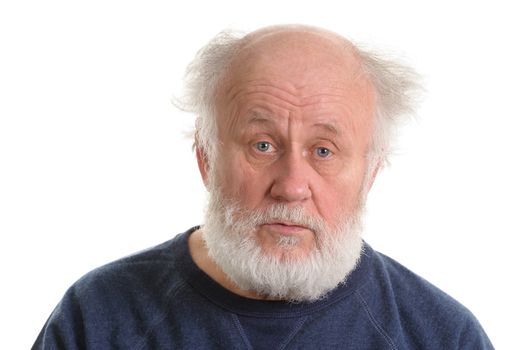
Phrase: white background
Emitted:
{"points": [[94, 164]]}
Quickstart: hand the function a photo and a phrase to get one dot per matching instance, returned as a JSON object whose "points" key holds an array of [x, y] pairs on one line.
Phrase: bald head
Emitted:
{"points": [[297, 36], [300, 34], [301, 51]]}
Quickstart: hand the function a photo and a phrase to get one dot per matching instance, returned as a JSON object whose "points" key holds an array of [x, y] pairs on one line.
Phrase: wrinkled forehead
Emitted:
{"points": [[307, 75], [300, 65]]}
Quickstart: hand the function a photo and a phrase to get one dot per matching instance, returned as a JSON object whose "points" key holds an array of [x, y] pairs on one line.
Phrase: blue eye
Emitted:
{"points": [[263, 146], [323, 152]]}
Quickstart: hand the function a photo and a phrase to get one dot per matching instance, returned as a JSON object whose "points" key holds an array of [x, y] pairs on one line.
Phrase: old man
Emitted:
{"points": [[293, 124]]}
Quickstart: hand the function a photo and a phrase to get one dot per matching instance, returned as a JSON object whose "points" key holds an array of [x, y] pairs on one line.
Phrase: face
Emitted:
{"points": [[294, 125]]}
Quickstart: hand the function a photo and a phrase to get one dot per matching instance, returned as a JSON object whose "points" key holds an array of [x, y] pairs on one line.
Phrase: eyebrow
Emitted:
{"points": [[258, 118], [330, 127]]}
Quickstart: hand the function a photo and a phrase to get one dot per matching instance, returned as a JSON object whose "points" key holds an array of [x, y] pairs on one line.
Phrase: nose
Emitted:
{"points": [[291, 179]]}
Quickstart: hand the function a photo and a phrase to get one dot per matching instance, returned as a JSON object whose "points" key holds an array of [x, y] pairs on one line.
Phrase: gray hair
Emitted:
{"points": [[396, 86]]}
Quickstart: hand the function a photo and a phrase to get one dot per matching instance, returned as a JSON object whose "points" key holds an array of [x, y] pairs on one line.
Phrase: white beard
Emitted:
{"points": [[229, 232]]}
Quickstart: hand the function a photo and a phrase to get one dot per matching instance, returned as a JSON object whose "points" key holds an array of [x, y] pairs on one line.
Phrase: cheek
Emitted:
{"points": [[341, 195], [242, 182]]}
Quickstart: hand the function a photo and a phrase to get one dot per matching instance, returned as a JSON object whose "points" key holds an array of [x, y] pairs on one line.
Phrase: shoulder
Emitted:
{"points": [[415, 311], [129, 294], [134, 274], [406, 287]]}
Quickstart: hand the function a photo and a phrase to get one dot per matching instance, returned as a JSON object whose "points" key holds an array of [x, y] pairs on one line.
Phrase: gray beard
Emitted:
{"points": [[230, 235]]}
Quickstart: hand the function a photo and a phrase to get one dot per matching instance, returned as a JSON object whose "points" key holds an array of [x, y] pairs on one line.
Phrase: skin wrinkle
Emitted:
{"points": [[304, 102], [263, 87], [239, 86], [269, 129], [263, 119], [330, 99], [287, 149], [265, 127], [236, 115], [330, 126]]}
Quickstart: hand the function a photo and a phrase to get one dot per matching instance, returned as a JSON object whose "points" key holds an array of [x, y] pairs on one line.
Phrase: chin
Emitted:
{"points": [[287, 254], [286, 246]]}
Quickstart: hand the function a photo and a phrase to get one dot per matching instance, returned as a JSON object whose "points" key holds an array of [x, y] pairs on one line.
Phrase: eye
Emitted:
{"points": [[323, 152], [263, 146]]}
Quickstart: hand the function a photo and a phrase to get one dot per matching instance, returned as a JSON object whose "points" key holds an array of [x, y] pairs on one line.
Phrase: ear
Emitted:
{"points": [[202, 162], [372, 177]]}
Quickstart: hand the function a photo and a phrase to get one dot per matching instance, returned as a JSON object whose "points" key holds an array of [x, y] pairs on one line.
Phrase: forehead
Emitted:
{"points": [[298, 73]]}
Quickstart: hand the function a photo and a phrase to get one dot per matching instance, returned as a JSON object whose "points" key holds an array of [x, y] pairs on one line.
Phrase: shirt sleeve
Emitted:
{"points": [[64, 329], [473, 336]]}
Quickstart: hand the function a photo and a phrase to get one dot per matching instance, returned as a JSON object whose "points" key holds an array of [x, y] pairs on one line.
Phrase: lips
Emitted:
{"points": [[285, 228]]}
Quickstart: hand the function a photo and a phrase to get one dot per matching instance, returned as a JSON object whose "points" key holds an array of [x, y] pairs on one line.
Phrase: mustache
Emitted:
{"points": [[282, 213]]}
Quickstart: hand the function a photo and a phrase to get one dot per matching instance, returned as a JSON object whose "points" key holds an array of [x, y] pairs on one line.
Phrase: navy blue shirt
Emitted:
{"points": [[159, 299]]}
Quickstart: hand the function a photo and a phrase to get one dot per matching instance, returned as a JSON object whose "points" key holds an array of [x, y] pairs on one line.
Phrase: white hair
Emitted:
{"points": [[202, 78], [229, 232], [396, 86]]}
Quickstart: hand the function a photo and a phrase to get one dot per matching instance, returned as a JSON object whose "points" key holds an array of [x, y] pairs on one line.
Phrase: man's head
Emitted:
{"points": [[291, 131]]}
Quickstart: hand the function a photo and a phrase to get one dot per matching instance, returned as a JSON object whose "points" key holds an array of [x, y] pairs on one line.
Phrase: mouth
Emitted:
{"points": [[285, 228]]}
